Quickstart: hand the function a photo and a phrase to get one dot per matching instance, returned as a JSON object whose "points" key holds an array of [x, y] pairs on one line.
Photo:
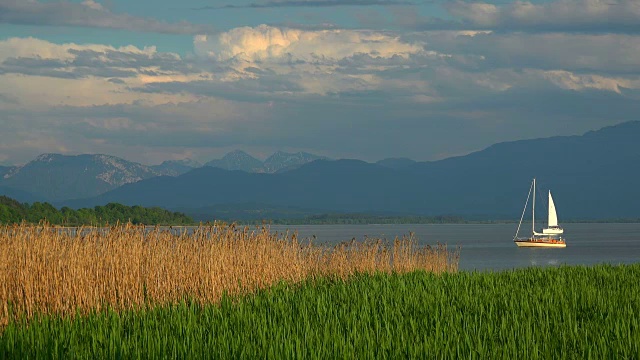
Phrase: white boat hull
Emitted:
{"points": [[527, 243]]}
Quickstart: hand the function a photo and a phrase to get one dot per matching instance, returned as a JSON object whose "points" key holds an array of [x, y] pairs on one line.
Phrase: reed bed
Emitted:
{"points": [[68, 271]]}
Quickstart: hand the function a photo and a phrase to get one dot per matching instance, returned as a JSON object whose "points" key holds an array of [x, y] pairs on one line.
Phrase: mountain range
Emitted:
{"points": [[4, 170], [278, 162], [591, 176], [176, 167], [56, 177]]}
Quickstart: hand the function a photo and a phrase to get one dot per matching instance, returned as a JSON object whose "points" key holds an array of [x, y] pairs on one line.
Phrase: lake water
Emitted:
{"points": [[491, 247]]}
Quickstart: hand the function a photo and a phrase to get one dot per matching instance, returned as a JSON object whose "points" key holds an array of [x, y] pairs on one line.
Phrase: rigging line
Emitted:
{"points": [[543, 196], [523, 211]]}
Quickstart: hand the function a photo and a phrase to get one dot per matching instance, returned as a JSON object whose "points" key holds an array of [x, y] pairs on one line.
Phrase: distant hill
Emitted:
{"points": [[237, 160], [396, 163], [248, 211], [591, 176], [283, 161], [278, 162], [19, 195], [176, 167], [5, 170], [58, 177]]}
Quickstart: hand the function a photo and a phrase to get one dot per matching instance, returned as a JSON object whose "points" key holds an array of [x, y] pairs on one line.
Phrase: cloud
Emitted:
{"points": [[87, 14], [292, 62], [310, 3], [30, 56], [139, 131], [358, 67], [40, 73], [266, 43], [603, 54], [342, 93], [604, 16], [262, 89]]}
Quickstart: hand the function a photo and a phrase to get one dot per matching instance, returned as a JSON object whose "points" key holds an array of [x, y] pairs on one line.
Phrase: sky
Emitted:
{"points": [[159, 80]]}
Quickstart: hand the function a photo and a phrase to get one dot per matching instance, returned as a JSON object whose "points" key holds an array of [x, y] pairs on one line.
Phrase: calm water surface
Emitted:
{"points": [[491, 247]]}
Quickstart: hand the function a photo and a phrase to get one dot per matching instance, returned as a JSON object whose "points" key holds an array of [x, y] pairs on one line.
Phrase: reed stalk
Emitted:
{"points": [[66, 271]]}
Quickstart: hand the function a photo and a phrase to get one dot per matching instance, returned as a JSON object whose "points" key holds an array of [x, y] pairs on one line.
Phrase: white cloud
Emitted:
{"points": [[320, 62], [478, 13], [92, 5], [33, 47], [266, 43], [343, 91], [568, 80], [40, 73]]}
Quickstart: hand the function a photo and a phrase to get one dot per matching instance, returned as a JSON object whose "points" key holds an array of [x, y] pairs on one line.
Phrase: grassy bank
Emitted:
{"points": [[566, 312]]}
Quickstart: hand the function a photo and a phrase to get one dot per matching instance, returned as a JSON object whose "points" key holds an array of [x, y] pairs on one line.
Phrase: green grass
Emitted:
{"points": [[566, 312]]}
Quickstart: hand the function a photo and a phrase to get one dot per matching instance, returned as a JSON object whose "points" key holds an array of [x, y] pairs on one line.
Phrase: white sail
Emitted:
{"points": [[553, 217]]}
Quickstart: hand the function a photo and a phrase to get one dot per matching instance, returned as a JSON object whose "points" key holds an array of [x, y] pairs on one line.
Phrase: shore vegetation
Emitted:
{"points": [[69, 271], [12, 212], [566, 312]]}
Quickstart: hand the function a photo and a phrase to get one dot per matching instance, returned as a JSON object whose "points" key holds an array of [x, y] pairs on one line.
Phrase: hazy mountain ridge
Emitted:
{"points": [[283, 161], [19, 195], [176, 167], [396, 163], [277, 162], [59, 177], [4, 170], [237, 160], [587, 181]]}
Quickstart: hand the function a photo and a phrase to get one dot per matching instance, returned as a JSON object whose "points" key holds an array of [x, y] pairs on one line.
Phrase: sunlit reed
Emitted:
{"points": [[49, 270]]}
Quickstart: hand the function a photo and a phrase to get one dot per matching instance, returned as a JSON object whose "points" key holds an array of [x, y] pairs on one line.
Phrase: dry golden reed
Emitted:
{"points": [[46, 269]]}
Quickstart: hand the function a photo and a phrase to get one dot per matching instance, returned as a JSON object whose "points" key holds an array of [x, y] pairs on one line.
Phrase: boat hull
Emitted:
{"points": [[539, 243]]}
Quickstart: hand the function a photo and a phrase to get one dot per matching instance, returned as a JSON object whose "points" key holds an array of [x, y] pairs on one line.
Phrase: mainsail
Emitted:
{"points": [[553, 217]]}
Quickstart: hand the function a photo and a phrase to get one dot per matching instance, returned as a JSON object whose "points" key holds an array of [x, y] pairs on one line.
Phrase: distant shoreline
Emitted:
{"points": [[347, 221]]}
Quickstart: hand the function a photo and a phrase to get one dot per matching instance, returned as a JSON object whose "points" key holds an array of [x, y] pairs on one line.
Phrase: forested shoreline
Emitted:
{"points": [[12, 212]]}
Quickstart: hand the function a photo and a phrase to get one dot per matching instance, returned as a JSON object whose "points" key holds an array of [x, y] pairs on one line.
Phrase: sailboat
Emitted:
{"points": [[551, 236]]}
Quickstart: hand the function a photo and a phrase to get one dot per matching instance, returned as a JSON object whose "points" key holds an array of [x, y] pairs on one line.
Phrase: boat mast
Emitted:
{"points": [[526, 203], [533, 211]]}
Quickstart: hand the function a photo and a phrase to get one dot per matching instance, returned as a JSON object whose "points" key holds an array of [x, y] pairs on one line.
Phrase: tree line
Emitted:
{"points": [[12, 211]]}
